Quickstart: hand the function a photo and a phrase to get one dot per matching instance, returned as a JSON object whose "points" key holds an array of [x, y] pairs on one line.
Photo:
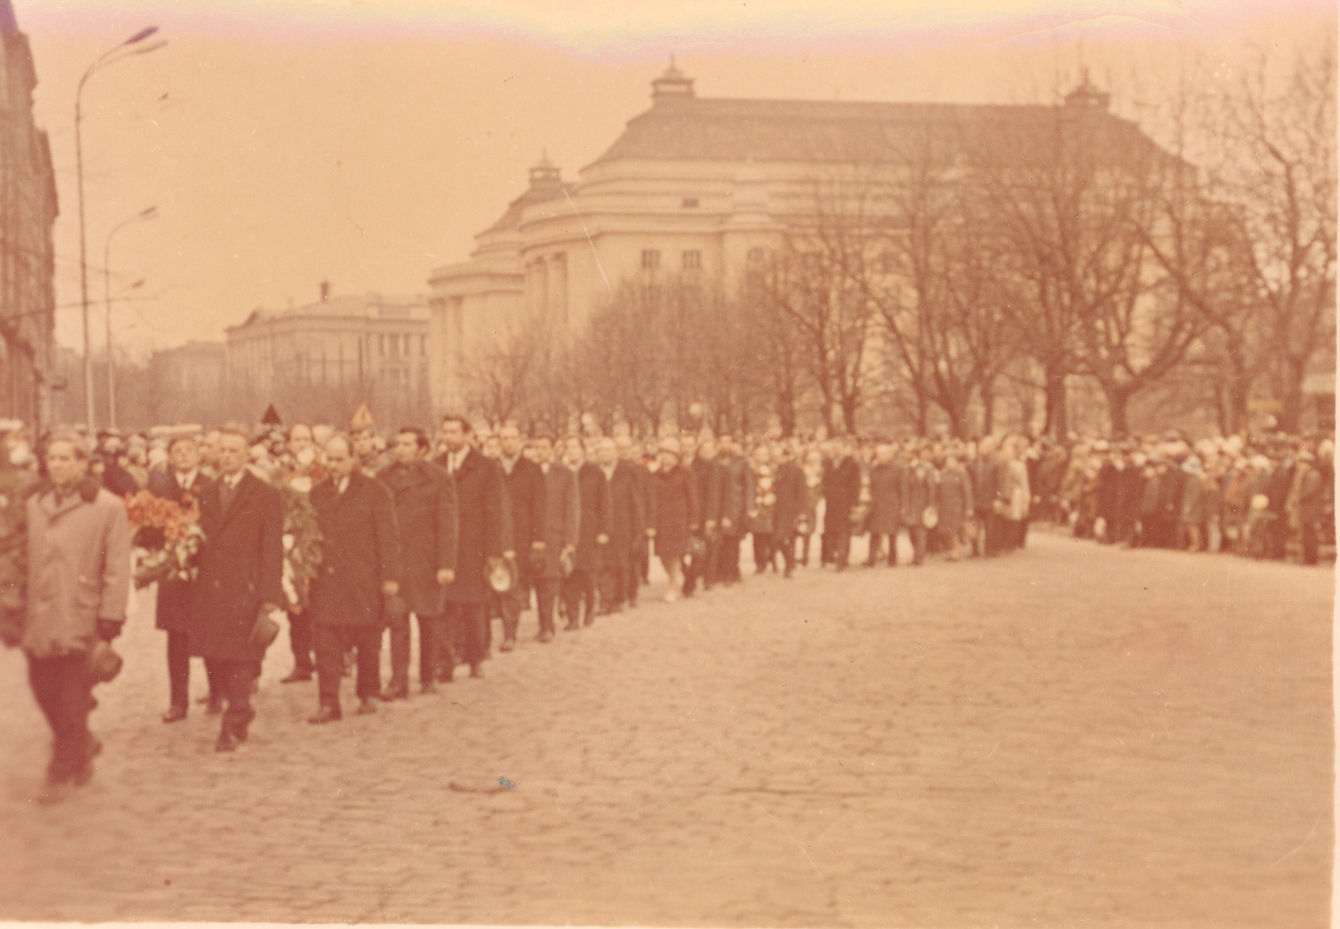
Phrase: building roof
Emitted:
{"points": [[545, 184], [681, 126], [8, 21], [355, 306]]}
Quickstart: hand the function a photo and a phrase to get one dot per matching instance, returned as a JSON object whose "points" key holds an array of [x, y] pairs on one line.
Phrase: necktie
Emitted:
{"points": [[225, 493]]}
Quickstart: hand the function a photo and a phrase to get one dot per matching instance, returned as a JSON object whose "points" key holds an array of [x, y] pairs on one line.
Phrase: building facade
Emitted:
{"points": [[318, 362], [694, 189], [28, 209]]}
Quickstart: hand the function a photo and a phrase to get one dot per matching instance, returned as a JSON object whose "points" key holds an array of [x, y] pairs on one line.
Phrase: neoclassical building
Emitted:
{"points": [[693, 187], [319, 361]]}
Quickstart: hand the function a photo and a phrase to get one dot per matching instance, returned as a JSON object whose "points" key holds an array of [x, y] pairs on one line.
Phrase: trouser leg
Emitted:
{"points": [[468, 635], [918, 537], [234, 682], [330, 643], [179, 669], [611, 594], [514, 603], [841, 548], [63, 690], [546, 596], [300, 640], [1310, 539], [572, 597], [432, 633], [786, 543], [398, 625], [368, 641]]}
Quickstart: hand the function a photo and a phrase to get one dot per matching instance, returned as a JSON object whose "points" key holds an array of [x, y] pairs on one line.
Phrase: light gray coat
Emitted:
{"points": [[78, 571]]}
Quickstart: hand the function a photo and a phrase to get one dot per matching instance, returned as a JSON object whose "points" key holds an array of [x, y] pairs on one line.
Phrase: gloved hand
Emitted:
{"points": [[109, 629]]}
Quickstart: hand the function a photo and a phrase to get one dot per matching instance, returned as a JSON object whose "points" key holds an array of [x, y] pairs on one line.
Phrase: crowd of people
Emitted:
{"points": [[350, 534]]}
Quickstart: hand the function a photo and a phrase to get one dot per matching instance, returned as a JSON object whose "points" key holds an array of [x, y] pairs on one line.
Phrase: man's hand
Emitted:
{"points": [[570, 549], [390, 588], [109, 629], [602, 539], [494, 562], [651, 533], [509, 554], [710, 525], [753, 514], [538, 546], [726, 522], [268, 608], [445, 576]]}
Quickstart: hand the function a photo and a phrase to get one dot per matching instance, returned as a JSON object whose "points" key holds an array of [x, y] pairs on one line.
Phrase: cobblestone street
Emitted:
{"points": [[1071, 735]]}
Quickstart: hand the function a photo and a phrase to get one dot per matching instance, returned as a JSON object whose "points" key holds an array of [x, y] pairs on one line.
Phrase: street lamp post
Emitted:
{"points": [[106, 58], [151, 213]]}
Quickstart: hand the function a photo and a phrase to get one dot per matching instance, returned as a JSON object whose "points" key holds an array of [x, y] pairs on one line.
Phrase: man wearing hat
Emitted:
{"points": [[677, 513], [78, 584]]}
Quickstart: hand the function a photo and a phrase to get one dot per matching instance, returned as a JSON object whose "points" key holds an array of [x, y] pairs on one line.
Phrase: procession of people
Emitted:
{"points": [[346, 536]]}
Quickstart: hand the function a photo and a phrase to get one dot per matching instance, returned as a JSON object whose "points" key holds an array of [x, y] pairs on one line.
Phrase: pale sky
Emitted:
{"points": [[285, 142]]}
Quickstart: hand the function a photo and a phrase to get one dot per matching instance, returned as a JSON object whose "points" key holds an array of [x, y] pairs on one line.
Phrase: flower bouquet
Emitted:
{"points": [[167, 538], [302, 544]]}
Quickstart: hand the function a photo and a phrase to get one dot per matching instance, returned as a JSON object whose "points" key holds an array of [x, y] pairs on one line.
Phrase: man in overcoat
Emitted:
{"points": [[241, 576], [524, 483], [677, 513], [627, 525], [710, 481], [78, 583], [888, 484], [842, 491], [629, 455], [562, 515], [593, 536], [360, 567], [479, 496], [792, 501], [183, 484], [426, 525], [739, 497]]}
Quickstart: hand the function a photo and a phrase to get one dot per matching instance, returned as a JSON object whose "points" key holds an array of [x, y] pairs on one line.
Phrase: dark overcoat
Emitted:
{"points": [[525, 491], [173, 604], [425, 513], [562, 515], [842, 491], [593, 495], [793, 498], [359, 551], [241, 568], [888, 483], [953, 500], [710, 479], [628, 519], [739, 495], [920, 493], [984, 474], [479, 491], [677, 511]]}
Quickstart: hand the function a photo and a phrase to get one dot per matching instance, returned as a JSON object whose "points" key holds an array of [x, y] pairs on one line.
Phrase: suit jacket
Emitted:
{"points": [[479, 493], [359, 551], [241, 567], [593, 496], [525, 491], [426, 524], [174, 597], [562, 516]]}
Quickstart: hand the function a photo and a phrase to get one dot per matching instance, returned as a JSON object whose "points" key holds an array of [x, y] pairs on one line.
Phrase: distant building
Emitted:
{"points": [[186, 384], [28, 209], [320, 361], [693, 190]]}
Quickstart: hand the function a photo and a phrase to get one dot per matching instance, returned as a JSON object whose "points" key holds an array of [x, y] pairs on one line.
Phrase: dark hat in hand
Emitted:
{"points": [[104, 664]]}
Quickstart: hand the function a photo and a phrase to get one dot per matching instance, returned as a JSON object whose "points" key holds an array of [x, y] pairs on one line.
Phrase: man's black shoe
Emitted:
{"points": [[326, 714], [174, 714], [226, 743]]}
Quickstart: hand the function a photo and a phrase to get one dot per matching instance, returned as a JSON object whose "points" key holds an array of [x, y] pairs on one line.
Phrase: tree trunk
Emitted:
{"points": [[1118, 399], [988, 407], [1294, 372], [1056, 423]]}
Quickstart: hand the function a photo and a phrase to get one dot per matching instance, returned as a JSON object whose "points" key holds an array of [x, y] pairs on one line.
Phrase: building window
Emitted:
{"points": [[755, 255], [690, 202], [651, 259], [693, 260]]}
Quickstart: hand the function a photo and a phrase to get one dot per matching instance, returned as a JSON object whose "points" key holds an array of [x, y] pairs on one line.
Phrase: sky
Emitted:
{"points": [[365, 142]]}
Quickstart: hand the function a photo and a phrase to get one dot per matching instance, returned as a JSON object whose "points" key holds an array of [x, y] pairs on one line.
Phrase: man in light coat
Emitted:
{"points": [[78, 586]]}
